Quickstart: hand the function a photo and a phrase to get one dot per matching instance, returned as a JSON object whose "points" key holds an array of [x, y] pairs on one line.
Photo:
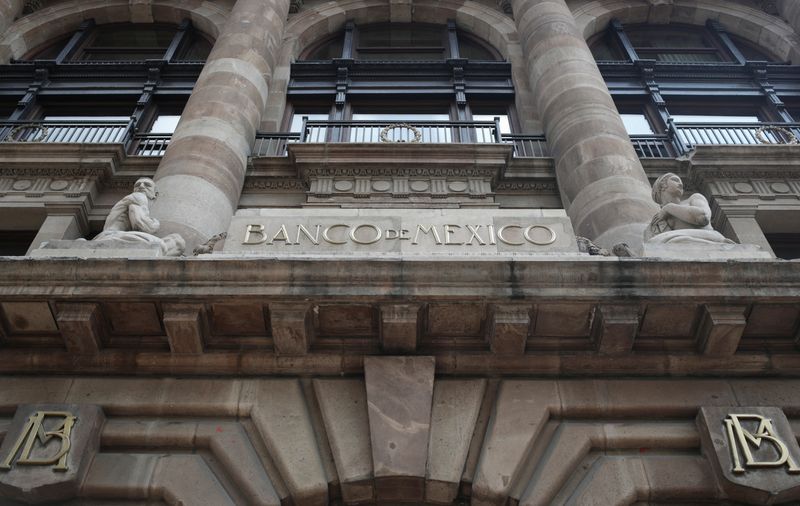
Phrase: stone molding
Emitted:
{"points": [[119, 316], [281, 440]]}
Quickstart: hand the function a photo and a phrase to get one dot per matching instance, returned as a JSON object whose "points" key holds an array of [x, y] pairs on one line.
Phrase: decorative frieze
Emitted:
{"points": [[38, 187]]}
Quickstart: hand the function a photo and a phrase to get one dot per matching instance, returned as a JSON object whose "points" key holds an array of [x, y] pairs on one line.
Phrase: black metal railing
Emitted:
{"points": [[528, 146], [74, 131], [273, 144], [679, 139], [653, 146], [735, 134], [390, 131], [150, 144]]}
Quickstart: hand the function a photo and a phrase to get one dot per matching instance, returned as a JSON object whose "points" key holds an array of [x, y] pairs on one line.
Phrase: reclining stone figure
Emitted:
{"points": [[130, 222]]}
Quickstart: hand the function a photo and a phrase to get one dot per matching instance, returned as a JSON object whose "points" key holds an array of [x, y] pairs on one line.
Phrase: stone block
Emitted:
{"points": [[399, 327], [753, 452], [187, 479], [399, 396], [615, 327], [292, 327], [119, 476], [343, 404], [721, 329], [25, 317], [456, 404], [37, 471], [508, 328], [521, 412], [103, 249], [81, 327], [705, 252], [186, 326], [281, 415]]}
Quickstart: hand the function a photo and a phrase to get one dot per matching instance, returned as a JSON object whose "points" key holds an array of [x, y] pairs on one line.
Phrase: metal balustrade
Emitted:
{"points": [[736, 134], [680, 139], [73, 131], [273, 144], [150, 144]]}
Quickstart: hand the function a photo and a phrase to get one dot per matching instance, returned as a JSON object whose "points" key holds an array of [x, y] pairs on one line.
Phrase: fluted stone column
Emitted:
{"points": [[202, 173], [602, 183], [9, 9]]}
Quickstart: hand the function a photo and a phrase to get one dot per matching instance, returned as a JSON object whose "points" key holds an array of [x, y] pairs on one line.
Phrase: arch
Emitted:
{"points": [[58, 20], [311, 26], [766, 31]]}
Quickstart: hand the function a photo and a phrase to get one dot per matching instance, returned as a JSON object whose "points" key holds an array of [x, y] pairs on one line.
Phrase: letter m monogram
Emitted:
{"points": [[34, 431], [743, 443]]}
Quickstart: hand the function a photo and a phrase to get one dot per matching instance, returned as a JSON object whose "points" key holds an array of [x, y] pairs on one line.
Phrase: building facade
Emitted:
{"points": [[354, 252]]}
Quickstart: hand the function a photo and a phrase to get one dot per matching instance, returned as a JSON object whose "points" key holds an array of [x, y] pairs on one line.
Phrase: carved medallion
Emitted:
{"points": [[753, 452], [47, 451]]}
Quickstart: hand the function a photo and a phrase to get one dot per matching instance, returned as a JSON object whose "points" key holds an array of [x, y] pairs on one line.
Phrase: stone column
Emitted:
{"points": [[790, 11], [9, 9], [202, 173], [603, 186]]}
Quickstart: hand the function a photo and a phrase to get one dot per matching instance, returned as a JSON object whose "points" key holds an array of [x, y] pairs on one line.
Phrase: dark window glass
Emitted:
{"points": [[328, 50], [197, 50], [126, 42], [16, 242], [401, 43], [674, 45], [472, 50], [786, 246]]}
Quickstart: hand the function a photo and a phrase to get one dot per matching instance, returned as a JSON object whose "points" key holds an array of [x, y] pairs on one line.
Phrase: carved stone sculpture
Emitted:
{"points": [[130, 222], [680, 221]]}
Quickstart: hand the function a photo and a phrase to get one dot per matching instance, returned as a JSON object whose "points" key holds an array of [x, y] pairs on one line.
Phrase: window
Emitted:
{"points": [[400, 83], [396, 42], [127, 42], [674, 43]]}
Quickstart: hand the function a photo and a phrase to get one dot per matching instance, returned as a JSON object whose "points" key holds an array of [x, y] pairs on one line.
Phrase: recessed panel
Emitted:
{"points": [[28, 317], [669, 320], [772, 320], [456, 320], [133, 318], [238, 320], [346, 321], [562, 320]]}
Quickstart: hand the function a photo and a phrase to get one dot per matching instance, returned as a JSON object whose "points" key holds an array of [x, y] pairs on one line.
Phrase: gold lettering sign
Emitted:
{"points": [[449, 234], [34, 431], [744, 441]]}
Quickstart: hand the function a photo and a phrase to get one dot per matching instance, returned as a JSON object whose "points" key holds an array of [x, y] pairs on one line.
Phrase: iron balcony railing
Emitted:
{"points": [[688, 135], [679, 139], [73, 131]]}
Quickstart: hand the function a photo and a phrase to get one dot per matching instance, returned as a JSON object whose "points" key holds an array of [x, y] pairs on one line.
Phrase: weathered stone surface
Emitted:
{"points": [[399, 327], [388, 233], [615, 328], [600, 178], [74, 431], [772, 476], [292, 328], [87, 249], [186, 327], [202, 172], [344, 411], [721, 329], [81, 326], [705, 252], [399, 395], [508, 328], [280, 413], [521, 411], [456, 404]]}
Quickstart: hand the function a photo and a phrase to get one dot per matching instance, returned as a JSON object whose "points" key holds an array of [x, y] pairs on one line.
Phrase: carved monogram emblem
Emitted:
{"points": [[743, 442], [36, 437]]}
